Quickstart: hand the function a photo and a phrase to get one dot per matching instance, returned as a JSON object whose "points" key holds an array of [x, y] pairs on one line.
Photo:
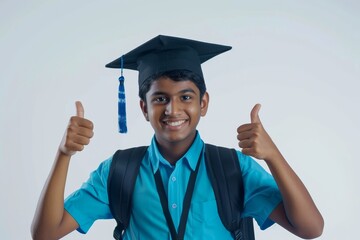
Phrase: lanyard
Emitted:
{"points": [[186, 203]]}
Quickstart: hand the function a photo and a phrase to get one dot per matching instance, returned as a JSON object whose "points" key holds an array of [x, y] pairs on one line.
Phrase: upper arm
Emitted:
{"points": [[309, 231], [260, 190], [90, 202], [67, 225], [278, 215]]}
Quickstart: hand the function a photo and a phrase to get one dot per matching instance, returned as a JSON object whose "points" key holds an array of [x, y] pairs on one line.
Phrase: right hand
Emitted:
{"points": [[78, 133]]}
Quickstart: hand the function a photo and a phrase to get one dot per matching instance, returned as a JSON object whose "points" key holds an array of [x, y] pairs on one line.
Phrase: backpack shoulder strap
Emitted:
{"points": [[124, 169], [224, 171]]}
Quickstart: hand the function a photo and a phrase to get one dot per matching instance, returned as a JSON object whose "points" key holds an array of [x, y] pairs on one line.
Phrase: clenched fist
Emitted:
{"points": [[78, 132]]}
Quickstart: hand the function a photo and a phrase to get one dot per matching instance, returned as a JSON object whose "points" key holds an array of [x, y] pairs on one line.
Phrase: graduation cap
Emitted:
{"points": [[162, 54]]}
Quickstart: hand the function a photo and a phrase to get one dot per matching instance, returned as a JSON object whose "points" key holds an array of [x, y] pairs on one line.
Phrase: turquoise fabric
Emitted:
{"points": [[147, 221]]}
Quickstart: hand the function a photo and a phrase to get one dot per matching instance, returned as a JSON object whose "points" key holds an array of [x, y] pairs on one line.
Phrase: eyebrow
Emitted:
{"points": [[186, 90]]}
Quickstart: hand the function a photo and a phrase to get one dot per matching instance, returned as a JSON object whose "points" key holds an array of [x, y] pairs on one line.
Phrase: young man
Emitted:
{"points": [[173, 98]]}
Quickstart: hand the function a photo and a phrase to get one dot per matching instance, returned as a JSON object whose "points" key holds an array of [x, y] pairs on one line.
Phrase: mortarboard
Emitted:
{"points": [[161, 54]]}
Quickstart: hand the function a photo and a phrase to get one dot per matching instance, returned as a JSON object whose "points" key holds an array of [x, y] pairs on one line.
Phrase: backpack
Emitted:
{"points": [[224, 171]]}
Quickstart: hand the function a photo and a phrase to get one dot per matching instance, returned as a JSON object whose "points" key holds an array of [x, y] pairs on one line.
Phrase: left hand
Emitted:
{"points": [[254, 140]]}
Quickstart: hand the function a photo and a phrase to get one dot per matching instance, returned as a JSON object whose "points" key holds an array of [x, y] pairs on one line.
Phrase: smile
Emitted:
{"points": [[175, 124]]}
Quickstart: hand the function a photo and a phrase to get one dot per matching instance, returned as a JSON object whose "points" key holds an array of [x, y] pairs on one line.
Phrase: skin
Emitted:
{"points": [[297, 213], [174, 110], [51, 221]]}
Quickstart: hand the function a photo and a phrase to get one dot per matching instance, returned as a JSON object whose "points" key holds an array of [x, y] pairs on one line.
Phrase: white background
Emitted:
{"points": [[299, 59]]}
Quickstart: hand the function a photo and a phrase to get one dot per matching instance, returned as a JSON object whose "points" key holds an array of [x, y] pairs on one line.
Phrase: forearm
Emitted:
{"points": [[301, 211], [298, 212], [51, 221], [50, 209]]}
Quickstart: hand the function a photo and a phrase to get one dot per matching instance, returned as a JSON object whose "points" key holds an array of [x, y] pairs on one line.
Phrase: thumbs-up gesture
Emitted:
{"points": [[254, 140], [78, 132]]}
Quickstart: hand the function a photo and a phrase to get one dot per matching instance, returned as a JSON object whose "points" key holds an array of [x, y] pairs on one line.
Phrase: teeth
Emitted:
{"points": [[177, 123]]}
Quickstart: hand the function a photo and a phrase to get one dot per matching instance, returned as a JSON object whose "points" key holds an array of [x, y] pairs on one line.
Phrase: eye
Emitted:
{"points": [[186, 97], [160, 99]]}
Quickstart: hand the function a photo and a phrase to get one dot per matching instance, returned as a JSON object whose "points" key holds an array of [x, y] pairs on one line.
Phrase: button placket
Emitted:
{"points": [[174, 189], [173, 196]]}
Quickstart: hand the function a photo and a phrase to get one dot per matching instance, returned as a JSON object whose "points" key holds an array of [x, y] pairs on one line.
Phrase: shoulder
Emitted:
{"points": [[101, 173], [247, 163]]}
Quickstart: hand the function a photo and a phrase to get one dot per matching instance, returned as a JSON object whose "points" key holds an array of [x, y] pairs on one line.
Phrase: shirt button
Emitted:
{"points": [[174, 205], [173, 179]]}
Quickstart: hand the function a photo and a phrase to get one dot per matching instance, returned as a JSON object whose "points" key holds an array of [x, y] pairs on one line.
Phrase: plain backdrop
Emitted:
{"points": [[299, 59]]}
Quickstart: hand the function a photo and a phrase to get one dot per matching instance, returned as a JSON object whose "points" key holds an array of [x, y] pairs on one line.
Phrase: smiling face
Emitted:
{"points": [[174, 109]]}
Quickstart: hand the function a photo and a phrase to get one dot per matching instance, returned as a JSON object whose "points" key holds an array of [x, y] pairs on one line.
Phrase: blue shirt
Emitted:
{"points": [[147, 220]]}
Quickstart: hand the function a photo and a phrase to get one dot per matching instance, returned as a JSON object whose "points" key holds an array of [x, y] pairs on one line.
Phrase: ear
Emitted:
{"points": [[204, 104], [144, 109]]}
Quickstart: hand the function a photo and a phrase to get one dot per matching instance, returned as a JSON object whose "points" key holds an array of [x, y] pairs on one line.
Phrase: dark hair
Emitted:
{"points": [[175, 75]]}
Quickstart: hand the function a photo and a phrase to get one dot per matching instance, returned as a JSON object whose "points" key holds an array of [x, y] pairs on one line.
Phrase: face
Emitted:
{"points": [[174, 110]]}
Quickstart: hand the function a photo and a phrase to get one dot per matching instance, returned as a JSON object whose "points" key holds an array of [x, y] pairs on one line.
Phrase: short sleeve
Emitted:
{"points": [[90, 202], [262, 194]]}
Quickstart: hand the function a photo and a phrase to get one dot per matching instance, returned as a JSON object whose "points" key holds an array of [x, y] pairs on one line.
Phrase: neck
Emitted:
{"points": [[172, 152]]}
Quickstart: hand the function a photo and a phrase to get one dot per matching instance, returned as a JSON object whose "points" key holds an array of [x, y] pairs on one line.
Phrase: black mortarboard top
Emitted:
{"points": [[161, 54]]}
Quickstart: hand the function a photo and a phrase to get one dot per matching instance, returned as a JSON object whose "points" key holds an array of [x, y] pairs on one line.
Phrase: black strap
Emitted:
{"points": [[226, 179], [246, 230], [121, 181], [186, 203], [124, 170], [224, 172]]}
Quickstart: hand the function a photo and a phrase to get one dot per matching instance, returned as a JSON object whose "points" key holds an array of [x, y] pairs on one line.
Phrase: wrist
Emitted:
{"points": [[63, 155], [274, 157]]}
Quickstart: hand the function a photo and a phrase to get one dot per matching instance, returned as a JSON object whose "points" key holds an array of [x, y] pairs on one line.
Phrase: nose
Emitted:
{"points": [[172, 108]]}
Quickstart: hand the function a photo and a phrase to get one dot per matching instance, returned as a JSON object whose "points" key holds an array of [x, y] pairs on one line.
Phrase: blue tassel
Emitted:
{"points": [[122, 102]]}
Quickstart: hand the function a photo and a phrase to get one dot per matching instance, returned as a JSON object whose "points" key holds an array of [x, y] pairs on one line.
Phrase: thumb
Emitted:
{"points": [[79, 109], [254, 115]]}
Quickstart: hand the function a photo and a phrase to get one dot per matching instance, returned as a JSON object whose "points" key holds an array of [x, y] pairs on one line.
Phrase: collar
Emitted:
{"points": [[191, 156]]}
